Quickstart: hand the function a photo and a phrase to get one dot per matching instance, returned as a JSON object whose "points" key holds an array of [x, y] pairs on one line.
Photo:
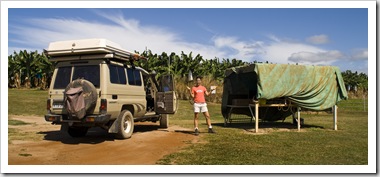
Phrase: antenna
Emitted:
{"points": [[169, 63]]}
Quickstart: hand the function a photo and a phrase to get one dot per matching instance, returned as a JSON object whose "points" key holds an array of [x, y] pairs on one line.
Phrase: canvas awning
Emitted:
{"points": [[311, 87]]}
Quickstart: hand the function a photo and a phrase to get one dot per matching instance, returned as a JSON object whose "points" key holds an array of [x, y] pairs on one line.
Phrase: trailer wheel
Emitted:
{"points": [[125, 125], [164, 121], [227, 119]]}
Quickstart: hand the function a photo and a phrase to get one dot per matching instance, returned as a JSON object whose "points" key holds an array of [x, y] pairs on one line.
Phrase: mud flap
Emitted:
{"points": [[113, 128]]}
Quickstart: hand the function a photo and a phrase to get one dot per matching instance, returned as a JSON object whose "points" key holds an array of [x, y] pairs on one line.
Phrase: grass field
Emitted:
{"points": [[316, 144], [27, 102]]}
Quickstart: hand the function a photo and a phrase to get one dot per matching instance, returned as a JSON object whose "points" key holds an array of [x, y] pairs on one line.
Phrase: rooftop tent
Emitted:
{"points": [[89, 49], [311, 87]]}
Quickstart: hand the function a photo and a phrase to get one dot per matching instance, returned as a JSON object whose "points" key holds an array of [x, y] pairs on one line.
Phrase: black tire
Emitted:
{"points": [[89, 94], [125, 125], [227, 119], [77, 131], [164, 121]]}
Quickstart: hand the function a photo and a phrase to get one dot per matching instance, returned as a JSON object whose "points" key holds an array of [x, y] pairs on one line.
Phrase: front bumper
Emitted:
{"points": [[58, 119]]}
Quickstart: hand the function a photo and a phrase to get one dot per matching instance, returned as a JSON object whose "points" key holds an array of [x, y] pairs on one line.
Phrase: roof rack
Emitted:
{"points": [[88, 49]]}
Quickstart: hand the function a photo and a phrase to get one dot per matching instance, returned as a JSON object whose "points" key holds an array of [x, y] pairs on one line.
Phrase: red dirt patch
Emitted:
{"points": [[148, 144]]}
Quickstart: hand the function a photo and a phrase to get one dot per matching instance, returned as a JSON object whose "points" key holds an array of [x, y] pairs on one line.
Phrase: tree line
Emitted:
{"points": [[29, 69], [33, 69], [355, 81], [180, 65]]}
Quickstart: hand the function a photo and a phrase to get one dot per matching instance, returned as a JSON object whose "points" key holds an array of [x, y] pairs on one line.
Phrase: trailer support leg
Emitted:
{"points": [[335, 117], [298, 119], [256, 117]]}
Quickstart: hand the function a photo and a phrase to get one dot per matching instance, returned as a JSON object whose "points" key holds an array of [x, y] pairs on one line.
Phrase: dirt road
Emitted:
{"points": [[148, 144]]}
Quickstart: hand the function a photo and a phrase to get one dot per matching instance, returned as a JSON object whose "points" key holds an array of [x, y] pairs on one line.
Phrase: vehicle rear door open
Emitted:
{"points": [[166, 98]]}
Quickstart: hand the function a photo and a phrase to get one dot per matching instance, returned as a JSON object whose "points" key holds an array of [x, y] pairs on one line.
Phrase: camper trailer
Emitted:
{"points": [[272, 92]]}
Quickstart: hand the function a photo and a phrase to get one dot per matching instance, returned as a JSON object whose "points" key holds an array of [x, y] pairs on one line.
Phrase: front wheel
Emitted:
{"points": [[164, 121], [125, 125]]}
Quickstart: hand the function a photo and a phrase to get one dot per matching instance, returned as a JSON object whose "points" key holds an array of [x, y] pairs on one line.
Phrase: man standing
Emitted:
{"points": [[198, 93]]}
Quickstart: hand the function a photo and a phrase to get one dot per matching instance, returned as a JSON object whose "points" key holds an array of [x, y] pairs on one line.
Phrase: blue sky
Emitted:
{"points": [[310, 36], [340, 33]]}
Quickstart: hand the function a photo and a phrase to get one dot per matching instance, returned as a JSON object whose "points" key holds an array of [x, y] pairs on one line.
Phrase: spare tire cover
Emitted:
{"points": [[80, 98]]}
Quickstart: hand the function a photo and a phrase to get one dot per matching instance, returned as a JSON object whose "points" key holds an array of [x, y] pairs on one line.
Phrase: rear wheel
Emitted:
{"points": [[164, 121], [77, 131], [125, 125]]}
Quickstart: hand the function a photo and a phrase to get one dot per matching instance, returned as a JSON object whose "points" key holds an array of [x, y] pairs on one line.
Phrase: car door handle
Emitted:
{"points": [[114, 97]]}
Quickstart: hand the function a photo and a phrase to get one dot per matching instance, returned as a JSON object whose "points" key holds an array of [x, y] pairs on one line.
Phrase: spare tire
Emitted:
{"points": [[80, 98]]}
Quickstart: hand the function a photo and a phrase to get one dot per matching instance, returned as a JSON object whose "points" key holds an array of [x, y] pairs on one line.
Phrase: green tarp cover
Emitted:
{"points": [[312, 87]]}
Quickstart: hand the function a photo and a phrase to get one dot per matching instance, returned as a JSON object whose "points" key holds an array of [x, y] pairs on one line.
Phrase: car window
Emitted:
{"points": [[90, 73], [166, 83], [134, 77], [62, 78], [137, 77], [117, 74]]}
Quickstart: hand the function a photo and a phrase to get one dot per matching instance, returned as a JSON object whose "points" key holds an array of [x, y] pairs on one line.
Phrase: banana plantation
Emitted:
{"points": [[29, 70], [181, 65], [33, 70], [30, 66]]}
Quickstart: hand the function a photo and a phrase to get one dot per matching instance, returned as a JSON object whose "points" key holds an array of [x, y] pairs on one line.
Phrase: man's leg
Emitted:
{"points": [[207, 116], [196, 112], [196, 120]]}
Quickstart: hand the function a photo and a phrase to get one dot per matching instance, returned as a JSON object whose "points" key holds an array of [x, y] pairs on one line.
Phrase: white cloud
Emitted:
{"points": [[280, 52], [129, 33], [243, 50], [326, 57], [359, 54], [274, 38], [226, 42], [318, 39], [276, 51], [133, 35]]}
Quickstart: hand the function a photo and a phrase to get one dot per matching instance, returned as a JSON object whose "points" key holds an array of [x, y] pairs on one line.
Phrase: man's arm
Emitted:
{"points": [[208, 93], [191, 92]]}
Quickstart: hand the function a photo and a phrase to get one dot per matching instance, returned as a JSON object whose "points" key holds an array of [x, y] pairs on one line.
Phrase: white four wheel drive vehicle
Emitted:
{"points": [[96, 84]]}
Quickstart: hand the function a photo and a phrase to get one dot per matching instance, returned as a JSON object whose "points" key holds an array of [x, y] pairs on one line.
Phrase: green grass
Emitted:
{"points": [[16, 134], [27, 102], [354, 105], [316, 144], [25, 155], [16, 122]]}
